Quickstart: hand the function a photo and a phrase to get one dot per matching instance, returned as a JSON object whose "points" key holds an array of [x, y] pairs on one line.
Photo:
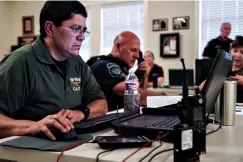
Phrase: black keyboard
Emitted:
{"points": [[147, 125], [165, 122], [151, 122], [99, 123]]}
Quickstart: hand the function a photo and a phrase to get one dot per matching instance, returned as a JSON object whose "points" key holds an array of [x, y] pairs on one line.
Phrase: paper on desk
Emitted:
{"points": [[158, 101]]}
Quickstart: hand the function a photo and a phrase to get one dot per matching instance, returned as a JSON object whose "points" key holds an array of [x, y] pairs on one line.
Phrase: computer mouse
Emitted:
{"points": [[60, 136]]}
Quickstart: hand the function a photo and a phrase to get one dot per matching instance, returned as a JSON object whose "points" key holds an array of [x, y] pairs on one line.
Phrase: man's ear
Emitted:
{"points": [[49, 28], [117, 47]]}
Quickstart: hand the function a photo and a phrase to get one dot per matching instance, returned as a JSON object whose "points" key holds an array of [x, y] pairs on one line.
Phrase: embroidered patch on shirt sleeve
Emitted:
{"points": [[114, 70]]}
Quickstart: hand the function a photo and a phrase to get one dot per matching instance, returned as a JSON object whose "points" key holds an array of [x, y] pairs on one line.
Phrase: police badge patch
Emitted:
{"points": [[114, 70]]}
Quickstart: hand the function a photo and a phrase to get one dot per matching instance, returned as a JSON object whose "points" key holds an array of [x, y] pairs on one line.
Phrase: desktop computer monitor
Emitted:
{"points": [[202, 69], [176, 77], [218, 73]]}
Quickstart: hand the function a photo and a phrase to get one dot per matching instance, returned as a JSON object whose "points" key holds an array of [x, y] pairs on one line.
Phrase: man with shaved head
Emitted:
{"points": [[113, 51], [110, 71], [221, 42]]}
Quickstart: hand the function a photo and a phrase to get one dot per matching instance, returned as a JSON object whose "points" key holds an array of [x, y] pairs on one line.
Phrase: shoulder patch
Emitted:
{"points": [[114, 70]]}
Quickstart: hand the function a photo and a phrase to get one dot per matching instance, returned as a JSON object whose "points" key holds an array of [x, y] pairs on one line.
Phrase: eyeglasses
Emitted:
{"points": [[78, 29]]}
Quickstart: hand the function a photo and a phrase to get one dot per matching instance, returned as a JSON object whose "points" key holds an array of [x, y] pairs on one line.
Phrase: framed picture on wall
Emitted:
{"points": [[23, 40], [181, 22], [160, 24], [28, 25], [170, 45]]}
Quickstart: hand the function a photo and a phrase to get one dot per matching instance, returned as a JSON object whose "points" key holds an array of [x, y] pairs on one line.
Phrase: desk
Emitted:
{"points": [[171, 91], [225, 145]]}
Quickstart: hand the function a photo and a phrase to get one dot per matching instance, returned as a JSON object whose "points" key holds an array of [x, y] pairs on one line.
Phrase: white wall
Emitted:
{"points": [[11, 14], [188, 38], [5, 28], [24, 8], [153, 9]]}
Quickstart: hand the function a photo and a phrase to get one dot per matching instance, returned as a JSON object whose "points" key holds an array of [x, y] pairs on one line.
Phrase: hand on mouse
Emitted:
{"points": [[238, 78], [73, 115], [57, 120]]}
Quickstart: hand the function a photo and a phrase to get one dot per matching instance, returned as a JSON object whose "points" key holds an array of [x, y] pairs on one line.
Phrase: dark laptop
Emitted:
{"points": [[202, 67], [154, 121]]}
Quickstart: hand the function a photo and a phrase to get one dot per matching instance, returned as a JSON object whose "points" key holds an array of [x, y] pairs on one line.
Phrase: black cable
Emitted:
{"points": [[213, 121], [159, 153], [150, 152], [213, 131], [97, 158], [118, 120]]}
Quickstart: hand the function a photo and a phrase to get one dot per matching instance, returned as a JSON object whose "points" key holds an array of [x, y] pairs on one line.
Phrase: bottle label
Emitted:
{"points": [[131, 86]]}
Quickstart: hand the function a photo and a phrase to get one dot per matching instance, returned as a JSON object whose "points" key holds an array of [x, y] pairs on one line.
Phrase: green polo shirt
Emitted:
{"points": [[32, 86]]}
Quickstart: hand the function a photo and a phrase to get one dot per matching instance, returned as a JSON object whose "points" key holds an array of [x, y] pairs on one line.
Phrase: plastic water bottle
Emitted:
{"points": [[131, 95]]}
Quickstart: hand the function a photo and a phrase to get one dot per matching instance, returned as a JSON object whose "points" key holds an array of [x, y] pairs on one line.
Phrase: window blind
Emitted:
{"points": [[119, 17], [85, 51], [213, 13]]}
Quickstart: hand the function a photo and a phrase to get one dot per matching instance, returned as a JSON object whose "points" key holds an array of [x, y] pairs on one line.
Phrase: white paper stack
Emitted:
{"points": [[158, 101]]}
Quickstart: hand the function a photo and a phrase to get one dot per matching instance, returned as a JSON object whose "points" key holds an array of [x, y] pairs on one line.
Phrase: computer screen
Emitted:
{"points": [[176, 77], [202, 69], [218, 73]]}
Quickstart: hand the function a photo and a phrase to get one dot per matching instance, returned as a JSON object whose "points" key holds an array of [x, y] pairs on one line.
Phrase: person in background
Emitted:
{"points": [[154, 69], [237, 68], [110, 71], [47, 84], [221, 42]]}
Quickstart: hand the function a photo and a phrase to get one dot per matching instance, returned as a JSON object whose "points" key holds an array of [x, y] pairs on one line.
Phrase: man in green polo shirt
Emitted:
{"points": [[47, 84]]}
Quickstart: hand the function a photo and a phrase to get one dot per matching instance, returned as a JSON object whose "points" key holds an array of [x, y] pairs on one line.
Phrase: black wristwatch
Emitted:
{"points": [[86, 112]]}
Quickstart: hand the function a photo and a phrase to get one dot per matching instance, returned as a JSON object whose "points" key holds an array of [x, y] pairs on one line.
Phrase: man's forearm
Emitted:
{"points": [[205, 57], [150, 84], [145, 82], [202, 85], [97, 108], [11, 127]]}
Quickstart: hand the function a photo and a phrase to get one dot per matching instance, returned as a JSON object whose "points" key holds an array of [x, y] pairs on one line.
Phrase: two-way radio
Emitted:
{"points": [[190, 135]]}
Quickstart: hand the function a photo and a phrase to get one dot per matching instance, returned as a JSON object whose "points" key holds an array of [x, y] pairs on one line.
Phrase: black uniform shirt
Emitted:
{"points": [[33, 86], [214, 45], [109, 71]]}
